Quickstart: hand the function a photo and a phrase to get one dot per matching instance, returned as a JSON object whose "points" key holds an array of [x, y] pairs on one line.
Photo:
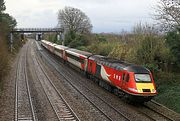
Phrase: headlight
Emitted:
{"points": [[153, 90], [133, 89], [139, 90]]}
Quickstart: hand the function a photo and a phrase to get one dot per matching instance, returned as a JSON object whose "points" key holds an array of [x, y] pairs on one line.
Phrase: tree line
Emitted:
{"points": [[7, 23], [154, 46]]}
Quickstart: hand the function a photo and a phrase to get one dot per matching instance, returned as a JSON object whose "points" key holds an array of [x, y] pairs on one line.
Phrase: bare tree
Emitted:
{"points": [[168, 14], [74, 20], [144, 29]]}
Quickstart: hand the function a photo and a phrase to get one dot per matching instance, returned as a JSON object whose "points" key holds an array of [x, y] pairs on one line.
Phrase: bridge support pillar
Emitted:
{"points": [[22, 37], [62, 38], [58, 37], [38, 37]]}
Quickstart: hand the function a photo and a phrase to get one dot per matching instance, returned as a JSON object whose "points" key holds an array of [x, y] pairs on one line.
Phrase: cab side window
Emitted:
{"points": [[123, 76], [127, 78]]}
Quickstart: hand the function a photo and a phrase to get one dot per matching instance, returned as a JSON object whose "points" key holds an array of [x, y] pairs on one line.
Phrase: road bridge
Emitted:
{"points": [[37, 30]]}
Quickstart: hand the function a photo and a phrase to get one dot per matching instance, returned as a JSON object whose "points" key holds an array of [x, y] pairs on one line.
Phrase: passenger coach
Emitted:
{"points": [[77, 58]]}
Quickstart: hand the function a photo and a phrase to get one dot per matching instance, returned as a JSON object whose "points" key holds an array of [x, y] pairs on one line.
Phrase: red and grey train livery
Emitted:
{"points": [[133, 81]]}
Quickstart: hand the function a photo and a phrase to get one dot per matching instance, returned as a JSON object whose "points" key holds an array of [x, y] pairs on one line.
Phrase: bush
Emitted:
{"points": [[173, 41], [119, 51], [102, 48]]}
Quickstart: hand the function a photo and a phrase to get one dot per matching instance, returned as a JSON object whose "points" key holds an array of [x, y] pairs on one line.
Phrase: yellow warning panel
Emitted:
{"points": [[141, 86]]}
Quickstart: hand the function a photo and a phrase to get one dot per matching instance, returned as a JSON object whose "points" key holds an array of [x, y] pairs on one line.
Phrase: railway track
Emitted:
{"points": [[158, 108], [23, 103], [165, 118], [61, 108], [151, 114], [90, 100]]}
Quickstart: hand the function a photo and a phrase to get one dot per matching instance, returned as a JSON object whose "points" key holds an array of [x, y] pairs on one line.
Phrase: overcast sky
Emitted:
{"points": [[105, 15]]}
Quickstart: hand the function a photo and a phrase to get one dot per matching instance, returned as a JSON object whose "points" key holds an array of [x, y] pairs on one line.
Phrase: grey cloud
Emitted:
{"points": [[105, 15]]}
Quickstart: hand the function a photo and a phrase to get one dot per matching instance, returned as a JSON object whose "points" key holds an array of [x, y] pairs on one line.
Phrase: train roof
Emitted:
{"points": [[118, 64], [79, 52], [137, 69], [44, 41], [49, 43], [52, 44], [61, 47]]}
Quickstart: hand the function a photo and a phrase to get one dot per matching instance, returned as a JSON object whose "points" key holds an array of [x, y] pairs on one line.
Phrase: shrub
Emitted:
{"points": [[119, 51], [173, 41], [102, 48]]}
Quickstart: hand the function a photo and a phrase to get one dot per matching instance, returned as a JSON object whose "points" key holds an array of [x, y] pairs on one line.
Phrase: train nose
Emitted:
{"points": [[145, 88]]}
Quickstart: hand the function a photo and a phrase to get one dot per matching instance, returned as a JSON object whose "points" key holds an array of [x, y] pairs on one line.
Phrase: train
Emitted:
{"points": [[133, 82]]}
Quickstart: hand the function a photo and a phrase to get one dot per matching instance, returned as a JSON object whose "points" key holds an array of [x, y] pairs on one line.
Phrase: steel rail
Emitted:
{"points": [[50, 102], [16, 89], [161, 114], [67, 115], [21, 64], [27, 85]]}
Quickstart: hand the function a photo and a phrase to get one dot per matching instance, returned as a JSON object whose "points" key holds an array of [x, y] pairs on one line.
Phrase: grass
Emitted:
{"points": [[169, 91]]}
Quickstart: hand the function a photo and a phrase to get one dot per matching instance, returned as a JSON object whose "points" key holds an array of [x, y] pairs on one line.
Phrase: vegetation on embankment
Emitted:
{"points": [[7, 23], [168, 89]]}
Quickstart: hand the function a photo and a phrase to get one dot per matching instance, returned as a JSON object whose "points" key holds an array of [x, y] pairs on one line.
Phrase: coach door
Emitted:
{"points": [[125, 79], [98, 70], [90, 67]]}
